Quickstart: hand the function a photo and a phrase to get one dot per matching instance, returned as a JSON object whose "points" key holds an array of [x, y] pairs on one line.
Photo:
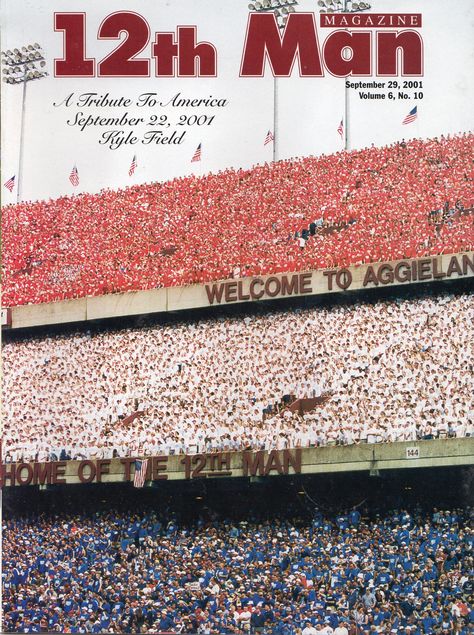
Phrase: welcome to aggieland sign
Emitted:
{"points": [[251, 289], [347, 278]]}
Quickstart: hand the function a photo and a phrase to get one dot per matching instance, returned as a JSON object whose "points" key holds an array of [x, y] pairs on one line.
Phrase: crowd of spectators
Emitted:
{"points": [[409, 199], [392, 370], [403, 572]]}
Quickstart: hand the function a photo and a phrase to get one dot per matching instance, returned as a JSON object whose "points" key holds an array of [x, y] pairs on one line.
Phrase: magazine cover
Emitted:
{"points": [[237, 317]]}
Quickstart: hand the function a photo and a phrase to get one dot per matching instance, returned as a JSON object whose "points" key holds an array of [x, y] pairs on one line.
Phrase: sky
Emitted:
{"points": [[309, 110]]}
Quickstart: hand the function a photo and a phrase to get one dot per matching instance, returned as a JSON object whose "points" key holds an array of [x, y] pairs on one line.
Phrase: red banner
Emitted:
{"points": [[371, 20]]}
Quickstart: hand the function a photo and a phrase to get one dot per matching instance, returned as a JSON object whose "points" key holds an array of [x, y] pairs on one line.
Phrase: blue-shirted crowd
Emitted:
{"points": [[402, 572]]}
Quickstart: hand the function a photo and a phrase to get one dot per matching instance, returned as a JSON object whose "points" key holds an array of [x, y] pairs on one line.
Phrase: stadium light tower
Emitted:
{"points": [[281, 9], [21, 67], [344, 6]]}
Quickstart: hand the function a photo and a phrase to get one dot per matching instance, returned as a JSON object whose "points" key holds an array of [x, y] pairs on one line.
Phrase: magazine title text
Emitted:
{"points": [[385, 45]]}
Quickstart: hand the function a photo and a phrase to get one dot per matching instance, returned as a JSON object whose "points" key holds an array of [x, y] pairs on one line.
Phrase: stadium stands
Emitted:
{"points": [[406, 200], [404, 572], [387, 371]]}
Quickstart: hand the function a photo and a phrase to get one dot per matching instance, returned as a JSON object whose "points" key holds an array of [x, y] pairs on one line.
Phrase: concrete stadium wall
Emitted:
{"points": [[413, 454], [251, 289]]}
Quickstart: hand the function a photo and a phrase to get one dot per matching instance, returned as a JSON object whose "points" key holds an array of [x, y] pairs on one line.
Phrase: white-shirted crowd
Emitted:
{"points": [[394, 370]]}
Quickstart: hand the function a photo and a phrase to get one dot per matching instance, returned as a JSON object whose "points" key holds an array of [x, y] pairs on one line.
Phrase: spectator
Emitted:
{"points": [[86, 573], [370, 205], [205, 386]]}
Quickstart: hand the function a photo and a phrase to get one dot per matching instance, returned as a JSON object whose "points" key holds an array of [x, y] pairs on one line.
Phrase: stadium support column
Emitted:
{"points": [[342, 6], [346, 102], [280, 9], [21, 67], [346, 118], [275, 119], [22, 137]]}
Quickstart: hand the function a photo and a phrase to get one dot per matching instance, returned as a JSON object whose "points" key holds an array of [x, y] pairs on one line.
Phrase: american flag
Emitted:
{"points": [[133, 165], [74, 177], [10, 184], [269, 138], [340, 128], [140, 472], [197, 154], [412, 115]]}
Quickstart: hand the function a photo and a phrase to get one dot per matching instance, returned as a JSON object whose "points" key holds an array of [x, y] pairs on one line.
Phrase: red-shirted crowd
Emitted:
{"points": [[406, 200]]}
